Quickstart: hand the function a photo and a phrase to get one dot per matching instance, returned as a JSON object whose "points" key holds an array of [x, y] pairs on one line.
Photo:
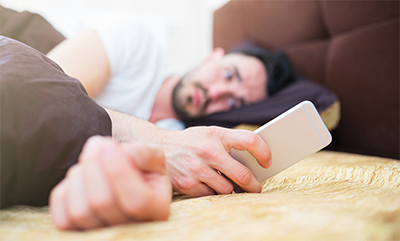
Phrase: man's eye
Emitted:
{"points": [[228, 74]]}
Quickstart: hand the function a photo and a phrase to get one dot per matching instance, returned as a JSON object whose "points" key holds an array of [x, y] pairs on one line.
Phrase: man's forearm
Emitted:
{"points": [[126, 127]]}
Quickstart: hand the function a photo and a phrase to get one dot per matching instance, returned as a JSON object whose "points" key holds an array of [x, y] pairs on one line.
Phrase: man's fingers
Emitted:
{"points": [[216, 181], [161, 188], [58, 208], [191, 187], [77, 202], [132, 192], [146, 157], [151, 160], [91, 146], [108, 186], [238, 173], [247, 140], [100, 195]]}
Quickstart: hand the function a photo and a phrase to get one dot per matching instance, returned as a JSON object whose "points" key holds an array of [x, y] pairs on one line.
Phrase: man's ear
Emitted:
{"points": [[216, 53]]}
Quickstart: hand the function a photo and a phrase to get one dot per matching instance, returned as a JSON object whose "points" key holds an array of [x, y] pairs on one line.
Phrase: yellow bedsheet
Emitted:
{"points": [[327, 196]]}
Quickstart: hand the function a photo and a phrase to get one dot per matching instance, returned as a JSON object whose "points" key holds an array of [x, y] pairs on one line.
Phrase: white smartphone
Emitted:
{"points": [[292, 136]]}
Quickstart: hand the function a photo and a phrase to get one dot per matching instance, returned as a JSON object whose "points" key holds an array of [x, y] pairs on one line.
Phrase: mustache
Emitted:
{"points": [[205, 94]]}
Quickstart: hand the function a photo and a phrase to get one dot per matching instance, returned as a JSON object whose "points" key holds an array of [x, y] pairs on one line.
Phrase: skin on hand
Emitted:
{"points": [[196, 154], [112, 184]]}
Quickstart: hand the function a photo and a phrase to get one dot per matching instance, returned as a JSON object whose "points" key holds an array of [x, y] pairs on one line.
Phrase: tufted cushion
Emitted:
{"points": [[315, 53], [343, 16], [245, 20], [367, 87]]}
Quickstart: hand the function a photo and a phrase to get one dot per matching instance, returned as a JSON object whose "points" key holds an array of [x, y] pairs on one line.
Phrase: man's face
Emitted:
{"points": [[220, 84]]}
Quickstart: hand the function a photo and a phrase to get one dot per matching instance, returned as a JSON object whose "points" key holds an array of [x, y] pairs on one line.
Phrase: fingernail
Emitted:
{"points": [[269, 162]]}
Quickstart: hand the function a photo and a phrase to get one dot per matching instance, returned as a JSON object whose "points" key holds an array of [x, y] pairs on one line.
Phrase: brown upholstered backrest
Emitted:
{"points": [[352, 47]]}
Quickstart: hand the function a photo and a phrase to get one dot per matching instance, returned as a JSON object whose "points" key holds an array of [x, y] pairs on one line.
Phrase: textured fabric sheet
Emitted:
{"points": [[327, 196]]}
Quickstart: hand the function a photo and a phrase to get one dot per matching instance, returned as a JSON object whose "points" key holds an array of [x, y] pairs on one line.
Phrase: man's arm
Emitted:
{"points": [[193, 156], [85, 59]]}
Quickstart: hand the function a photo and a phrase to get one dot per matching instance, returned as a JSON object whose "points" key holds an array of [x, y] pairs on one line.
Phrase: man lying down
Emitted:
{"points": [[124, 67], [54, 137], [46, 118]]}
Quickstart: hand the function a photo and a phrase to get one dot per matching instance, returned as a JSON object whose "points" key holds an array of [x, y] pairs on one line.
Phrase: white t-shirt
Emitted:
{"points": [[138, 62]]}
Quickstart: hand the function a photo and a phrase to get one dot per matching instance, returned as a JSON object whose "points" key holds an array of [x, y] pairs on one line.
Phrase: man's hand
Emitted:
{"points": [[196, 155], [112, 184]]}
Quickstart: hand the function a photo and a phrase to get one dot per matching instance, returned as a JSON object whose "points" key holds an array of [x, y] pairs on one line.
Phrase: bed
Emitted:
{"points": [[349, 192], [327, 196]]}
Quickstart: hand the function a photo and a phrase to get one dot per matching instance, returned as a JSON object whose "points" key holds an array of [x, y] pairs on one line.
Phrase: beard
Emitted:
{"points": [[179, 102]]}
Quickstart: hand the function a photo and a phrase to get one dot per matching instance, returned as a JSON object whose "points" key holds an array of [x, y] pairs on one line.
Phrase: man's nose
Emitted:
{"points": [[218, 91]]}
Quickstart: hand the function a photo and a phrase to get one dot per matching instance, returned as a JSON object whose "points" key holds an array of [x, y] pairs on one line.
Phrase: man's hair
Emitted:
{"points": [[277, 65]]}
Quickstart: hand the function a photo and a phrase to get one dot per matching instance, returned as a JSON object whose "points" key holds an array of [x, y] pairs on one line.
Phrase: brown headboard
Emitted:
{"points": [[352, 47]]}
